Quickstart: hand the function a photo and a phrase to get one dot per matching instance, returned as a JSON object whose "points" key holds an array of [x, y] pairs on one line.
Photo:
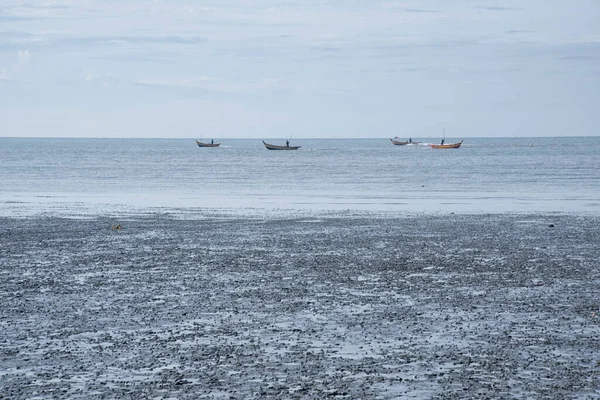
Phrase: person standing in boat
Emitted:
{"points": [[212, 141], [443, 140], [287, 143], [409, 140]]}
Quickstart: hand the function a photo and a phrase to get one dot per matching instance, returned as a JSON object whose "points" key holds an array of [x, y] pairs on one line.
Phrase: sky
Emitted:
{"points": [[301, 68]]}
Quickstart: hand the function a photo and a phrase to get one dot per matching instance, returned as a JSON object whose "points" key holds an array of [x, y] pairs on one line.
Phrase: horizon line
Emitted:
{"points": [[283, 138]]}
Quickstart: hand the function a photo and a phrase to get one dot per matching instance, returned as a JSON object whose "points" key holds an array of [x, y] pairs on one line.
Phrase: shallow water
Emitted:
{"points": [[484, 175]]}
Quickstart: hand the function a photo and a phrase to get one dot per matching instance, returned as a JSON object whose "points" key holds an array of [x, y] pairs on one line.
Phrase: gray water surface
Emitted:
{"points": [[484, 175]]}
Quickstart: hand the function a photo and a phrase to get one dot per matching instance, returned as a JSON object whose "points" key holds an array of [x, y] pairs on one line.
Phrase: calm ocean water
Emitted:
{"points": [[484, 175]]}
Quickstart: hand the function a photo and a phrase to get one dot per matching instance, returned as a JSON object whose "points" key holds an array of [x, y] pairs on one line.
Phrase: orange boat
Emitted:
{"points": [[446, 146]]}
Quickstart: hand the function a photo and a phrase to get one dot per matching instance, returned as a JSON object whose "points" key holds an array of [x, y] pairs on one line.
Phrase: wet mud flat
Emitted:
{"points": [[330, 306]]}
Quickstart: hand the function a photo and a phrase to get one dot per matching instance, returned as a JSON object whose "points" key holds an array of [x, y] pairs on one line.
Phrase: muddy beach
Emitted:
{"points": [[320, 306]]}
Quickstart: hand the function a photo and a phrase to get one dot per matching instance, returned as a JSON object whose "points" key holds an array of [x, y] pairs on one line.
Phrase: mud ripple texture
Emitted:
{"points": [[453, 306]]}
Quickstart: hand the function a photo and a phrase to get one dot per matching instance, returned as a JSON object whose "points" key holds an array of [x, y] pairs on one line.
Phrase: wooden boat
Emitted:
{"points": [[397, 143], [274, 147], [202, 144], [446, 146]]}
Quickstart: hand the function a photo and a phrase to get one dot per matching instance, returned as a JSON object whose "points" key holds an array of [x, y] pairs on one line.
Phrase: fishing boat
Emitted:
{"points": [[446, 146], [400, 143], [202, 144], [286, 147]]}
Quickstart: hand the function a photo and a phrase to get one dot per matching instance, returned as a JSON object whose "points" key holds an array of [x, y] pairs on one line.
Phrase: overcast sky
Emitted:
{"points": [[307, 68]]}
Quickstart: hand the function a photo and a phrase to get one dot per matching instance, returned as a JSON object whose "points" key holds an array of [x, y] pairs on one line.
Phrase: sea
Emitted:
{"points": [[486, 175]]}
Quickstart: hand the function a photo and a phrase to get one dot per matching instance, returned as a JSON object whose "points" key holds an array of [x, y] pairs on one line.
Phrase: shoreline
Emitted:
{"points": [[12, 206], [340, 306]]}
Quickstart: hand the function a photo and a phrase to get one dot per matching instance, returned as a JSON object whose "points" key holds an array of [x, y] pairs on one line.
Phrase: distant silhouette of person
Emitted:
{"points": [[212, 141], [409, 140], [443, 140], [287, 143]]}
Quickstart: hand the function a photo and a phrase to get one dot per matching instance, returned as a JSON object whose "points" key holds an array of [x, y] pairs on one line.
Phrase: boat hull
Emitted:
{"points": [[200, 144], [397, 143], [446, 146], [274, 147]]}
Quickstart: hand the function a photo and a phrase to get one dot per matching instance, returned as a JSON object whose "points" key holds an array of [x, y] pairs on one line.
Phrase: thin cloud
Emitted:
{"points": [[33, 12], [166, 39], [43, 6], [24, 57], [194, 82], [88, 77], [584, 58], [326, 49], [419, 10], [517, 31], [15, 34], [15, 40], [19, 65], [497, 8], [580, 52], [354, 61], [144, 56], [206, 83], [18, 18]]}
